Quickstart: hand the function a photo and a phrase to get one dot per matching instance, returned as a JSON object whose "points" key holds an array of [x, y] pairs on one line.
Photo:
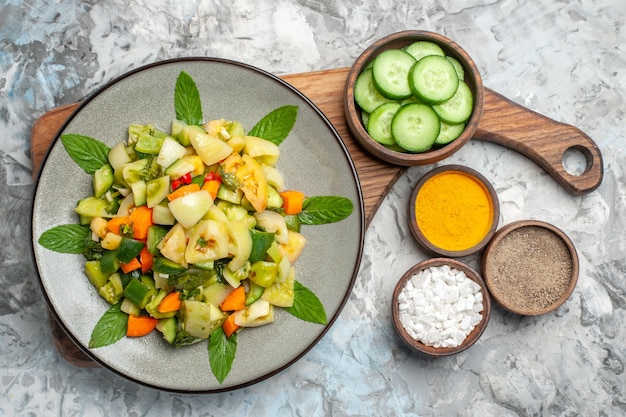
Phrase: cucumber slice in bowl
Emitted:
{"points": [[365, 93], [379, 123], [433, 79], [458, 108], [416, 127], [390, 71]]}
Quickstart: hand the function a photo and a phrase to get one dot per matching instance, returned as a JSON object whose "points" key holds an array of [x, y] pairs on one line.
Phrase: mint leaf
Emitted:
{"points": [[187, 104], [325, 209], [110, 328], [306, 306], [222, 351], [87, 152], [276, 125], [66, 238]]}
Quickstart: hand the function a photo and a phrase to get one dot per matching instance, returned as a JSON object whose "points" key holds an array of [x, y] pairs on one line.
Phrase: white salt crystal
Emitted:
{"points": [[440, 306]]}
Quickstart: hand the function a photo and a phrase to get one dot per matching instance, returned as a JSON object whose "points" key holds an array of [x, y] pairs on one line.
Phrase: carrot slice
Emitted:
{"points": [[115, 224], [183, 190], [236, 300], [140, 325], [145, 259], [130, 266], [141, 219], [212, 186], [170, 303], [292, 201], [229, 325]]}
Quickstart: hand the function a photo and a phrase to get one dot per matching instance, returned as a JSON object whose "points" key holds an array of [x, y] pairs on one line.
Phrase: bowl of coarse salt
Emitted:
{"points": [[440, 307]]}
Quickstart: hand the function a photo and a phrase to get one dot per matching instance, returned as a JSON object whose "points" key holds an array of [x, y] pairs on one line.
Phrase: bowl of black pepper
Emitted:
{"points": [[530, 267]]}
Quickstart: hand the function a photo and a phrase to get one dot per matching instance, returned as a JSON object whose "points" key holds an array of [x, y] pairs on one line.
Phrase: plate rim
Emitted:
{"points": [[361, 221]]}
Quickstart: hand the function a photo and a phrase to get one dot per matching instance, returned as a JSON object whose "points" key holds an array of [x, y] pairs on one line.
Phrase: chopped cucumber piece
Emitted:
{"points": [[102, 180]]}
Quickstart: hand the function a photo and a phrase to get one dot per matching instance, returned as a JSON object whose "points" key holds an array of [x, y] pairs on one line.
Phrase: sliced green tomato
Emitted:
{"points": [[156, 190], [273, 177], [161, 214], [256, 314], [113, 289], [458, 108], [199, 319], [240, 244], [170, 151], [281, 294], [118, 157], [174, 244], [211, 149], [294, 246], [135, 171], [263, 151], [208, 241], [390, 72], [379, 124], [263, 273], [253, 182], [273, 222], [190, 208], [433, 79]]}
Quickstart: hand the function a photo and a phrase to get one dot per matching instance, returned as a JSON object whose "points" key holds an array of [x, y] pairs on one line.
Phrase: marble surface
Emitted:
{"points": [[564, 59]]}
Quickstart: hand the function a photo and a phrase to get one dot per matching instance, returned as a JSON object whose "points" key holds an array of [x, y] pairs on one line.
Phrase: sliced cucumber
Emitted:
{"points": [[433, 79], [416, 127], [458, 108], [460, 71], [365, 93], [390, 72], [379, 124], [420, 49], [449, 132]]}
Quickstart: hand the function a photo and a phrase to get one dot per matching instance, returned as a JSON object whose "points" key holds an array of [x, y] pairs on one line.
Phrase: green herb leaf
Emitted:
{"points": [[222, 351], [66, 238], [110, 328], [87, 152], [187, 104], [276, 125], [306, 306], [325, 209]]}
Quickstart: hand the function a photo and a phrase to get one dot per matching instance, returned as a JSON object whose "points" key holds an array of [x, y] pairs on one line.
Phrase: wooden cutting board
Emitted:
{"points": [[540, 138]]}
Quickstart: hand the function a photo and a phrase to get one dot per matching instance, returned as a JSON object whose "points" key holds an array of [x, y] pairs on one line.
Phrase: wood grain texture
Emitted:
{"points": [[504, 122]]}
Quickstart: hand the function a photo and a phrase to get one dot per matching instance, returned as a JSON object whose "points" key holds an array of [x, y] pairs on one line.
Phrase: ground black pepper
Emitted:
{"points": [[530, 268]]}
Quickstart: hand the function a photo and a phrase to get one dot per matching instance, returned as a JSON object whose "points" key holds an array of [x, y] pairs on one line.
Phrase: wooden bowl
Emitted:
{"points": [[399, 40], [530, 267], [458, 245], [470, 339]]}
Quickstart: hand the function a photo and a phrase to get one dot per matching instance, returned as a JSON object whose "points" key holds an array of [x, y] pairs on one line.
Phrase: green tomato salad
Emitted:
{"points": [[192, 232]]}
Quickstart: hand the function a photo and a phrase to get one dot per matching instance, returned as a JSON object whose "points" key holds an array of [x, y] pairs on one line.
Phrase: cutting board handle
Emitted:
{"points": [[543, 140]]}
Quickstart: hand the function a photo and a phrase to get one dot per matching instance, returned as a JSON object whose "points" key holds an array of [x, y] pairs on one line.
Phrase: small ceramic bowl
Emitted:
{"points": [[440, 208], [530, 267], [399, 40], [418, 345]]}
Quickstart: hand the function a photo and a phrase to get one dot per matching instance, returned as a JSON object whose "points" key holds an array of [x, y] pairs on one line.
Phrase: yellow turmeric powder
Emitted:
{"points": [[454, 210]]}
